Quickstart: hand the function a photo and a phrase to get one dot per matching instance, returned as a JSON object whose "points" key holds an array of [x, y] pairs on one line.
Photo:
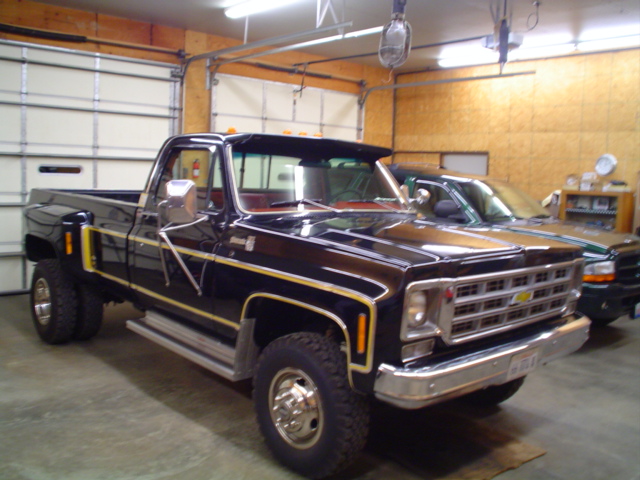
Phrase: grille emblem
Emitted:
{"points": [[521, 297]]}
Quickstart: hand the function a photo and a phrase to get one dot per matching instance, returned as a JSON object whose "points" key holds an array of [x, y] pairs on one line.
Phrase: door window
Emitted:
{"points": [[202, 166]]}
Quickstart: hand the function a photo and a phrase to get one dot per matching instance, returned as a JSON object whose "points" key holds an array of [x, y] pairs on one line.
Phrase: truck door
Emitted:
{"points": [[176, 276]]}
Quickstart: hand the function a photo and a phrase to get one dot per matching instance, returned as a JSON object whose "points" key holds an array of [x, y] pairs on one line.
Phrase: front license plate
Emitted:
{"points": [[522, 363], [636, 311]]}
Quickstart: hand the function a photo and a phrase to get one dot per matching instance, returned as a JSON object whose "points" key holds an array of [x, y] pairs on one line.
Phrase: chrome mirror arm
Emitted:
{"points": [[162, 236]]}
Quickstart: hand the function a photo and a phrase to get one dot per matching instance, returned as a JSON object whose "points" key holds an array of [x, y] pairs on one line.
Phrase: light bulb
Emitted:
{"points": [[395, 42]]}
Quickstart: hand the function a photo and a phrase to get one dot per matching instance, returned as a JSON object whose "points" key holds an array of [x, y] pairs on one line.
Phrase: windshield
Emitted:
{"points": [[270, 183], [498, 201]]}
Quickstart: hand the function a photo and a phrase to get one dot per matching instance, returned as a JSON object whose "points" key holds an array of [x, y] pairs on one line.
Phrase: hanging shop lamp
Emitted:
{"points": [[395, 42]]}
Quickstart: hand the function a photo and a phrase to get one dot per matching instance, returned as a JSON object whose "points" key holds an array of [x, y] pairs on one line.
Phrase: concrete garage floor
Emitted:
{"points": [[119, 407]]}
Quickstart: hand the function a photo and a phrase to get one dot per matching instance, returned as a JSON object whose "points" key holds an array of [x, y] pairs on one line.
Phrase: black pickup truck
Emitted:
{"points": [[298, 263]]}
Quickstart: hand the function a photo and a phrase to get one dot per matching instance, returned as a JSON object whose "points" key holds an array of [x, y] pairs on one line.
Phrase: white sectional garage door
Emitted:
{"points": [[250, 105], [71, 119]]}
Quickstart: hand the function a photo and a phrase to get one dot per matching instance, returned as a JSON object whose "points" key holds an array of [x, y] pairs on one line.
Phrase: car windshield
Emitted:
{"points": [[499, 201], [270, 183]]}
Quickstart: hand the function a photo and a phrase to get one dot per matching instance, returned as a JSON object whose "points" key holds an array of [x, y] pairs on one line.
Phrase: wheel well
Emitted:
{"points": [[38, 248], [276, 318]]}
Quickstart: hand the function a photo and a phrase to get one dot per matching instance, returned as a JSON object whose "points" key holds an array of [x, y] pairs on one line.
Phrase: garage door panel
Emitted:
{"points": [[11, 221], [10, 179], [341, 133], [65, 131], [57, 86], [11, 274], [222, 123], [61, 58], [10, 131], [239, 96], [132, 67], [135, 94], [279, 102], [10, 82], [278, 127], [309, 106], [124, 131], [11, 51], [340, 109], [44, 173], [123, 174]]}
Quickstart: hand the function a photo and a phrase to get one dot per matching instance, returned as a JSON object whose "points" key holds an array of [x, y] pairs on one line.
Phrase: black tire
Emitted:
{"points": [[491, 396], [311, 419], [90, 312], [53, 302]]}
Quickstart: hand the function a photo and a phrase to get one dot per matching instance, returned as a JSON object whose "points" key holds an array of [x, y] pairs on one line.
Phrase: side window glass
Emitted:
{"points": [[202, 166], [435, 208]]}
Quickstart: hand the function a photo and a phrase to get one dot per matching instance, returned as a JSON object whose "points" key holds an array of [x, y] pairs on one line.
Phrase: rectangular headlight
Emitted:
{"points": [[600, 272]]}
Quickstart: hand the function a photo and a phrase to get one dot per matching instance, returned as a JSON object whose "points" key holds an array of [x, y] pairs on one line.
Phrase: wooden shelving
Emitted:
{"points": [[613, 210]]}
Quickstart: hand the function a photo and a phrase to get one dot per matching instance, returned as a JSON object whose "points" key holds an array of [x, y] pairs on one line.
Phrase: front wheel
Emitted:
{"points": [[53, 302], [312, 420], [90, 312]]}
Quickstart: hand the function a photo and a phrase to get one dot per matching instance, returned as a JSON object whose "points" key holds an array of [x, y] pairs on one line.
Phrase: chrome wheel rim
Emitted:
{"points": [[42, 302], [296, 409]]}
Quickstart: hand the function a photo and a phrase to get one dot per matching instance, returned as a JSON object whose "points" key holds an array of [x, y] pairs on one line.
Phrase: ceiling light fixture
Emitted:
{"points": [[333, 38], [472, 56], [628, 41], [255, 6], [310, 43], [395, 41], [545, 51]]}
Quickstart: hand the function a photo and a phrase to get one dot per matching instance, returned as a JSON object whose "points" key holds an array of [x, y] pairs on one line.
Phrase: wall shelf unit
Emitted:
{"points": [[613, 210]]}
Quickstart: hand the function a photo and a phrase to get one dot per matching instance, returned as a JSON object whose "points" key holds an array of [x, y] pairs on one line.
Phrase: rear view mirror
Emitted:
{"points": [[181, 201]]}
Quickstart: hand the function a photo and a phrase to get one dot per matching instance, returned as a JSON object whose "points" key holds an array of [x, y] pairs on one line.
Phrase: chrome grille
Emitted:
{"points": [[628, 268], [485, 304]]}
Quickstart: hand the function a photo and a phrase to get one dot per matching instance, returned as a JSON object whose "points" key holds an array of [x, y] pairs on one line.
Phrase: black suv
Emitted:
{"points": [[612, 273]]}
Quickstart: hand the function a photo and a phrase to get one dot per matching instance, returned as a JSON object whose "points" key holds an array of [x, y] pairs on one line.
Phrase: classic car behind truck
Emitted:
{"points": [[298, 263], [611, 287]]}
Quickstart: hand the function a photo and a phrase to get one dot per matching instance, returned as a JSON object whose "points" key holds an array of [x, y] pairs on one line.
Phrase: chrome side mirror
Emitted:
{"points": [[180, 204], [179, 208], [422, 196]]}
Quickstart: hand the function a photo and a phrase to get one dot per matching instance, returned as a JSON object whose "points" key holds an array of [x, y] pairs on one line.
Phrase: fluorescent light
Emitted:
{"points": [[628, 41], [334, 38], [541, 48], [255, 6], [547, 40], [362, 33], [542, 52], [602, 33], [469, 57]]}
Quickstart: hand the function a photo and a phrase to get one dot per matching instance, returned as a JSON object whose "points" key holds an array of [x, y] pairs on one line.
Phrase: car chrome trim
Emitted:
{"points": [[412, 388]]}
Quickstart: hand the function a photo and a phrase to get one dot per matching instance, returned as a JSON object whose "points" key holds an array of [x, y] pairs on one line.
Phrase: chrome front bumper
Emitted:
{"points": [[415, 388]]}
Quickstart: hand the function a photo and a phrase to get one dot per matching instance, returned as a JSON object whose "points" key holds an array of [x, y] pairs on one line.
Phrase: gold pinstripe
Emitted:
{"points": [[88, 265]]}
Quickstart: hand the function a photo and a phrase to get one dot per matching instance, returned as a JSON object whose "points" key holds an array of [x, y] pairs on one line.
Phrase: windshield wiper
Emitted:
{"points": [[303, 201]]}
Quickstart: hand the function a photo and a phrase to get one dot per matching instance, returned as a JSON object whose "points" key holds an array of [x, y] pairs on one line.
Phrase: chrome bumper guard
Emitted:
{"points": [[419, 387]]}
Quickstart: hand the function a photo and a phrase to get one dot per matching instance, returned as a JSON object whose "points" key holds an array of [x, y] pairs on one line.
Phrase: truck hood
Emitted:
{"points": [[412, 241], [592, 240]]}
